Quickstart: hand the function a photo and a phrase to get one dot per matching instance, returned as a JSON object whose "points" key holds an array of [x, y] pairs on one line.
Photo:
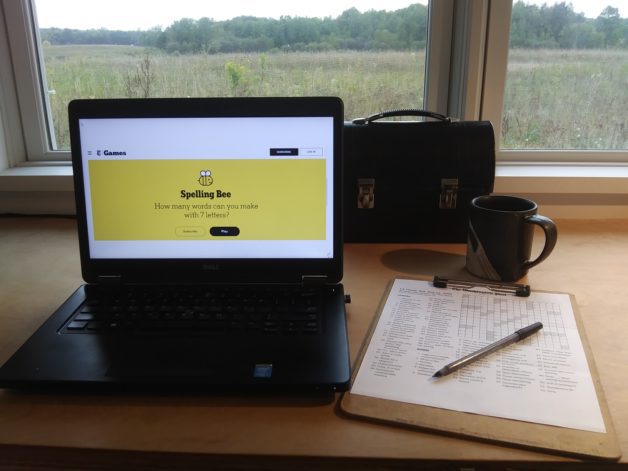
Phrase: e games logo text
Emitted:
{"points": [[110, 153]]}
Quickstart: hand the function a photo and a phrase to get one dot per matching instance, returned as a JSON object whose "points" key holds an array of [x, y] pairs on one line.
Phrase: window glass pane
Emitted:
{"points": [[567, 78], [370, 53]]}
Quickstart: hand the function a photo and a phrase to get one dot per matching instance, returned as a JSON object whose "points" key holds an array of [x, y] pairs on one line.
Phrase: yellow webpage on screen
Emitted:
{"points": [[246, 199]]}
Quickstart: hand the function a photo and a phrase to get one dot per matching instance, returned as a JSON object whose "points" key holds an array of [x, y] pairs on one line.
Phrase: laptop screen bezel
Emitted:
{"points": [[275, 270]]}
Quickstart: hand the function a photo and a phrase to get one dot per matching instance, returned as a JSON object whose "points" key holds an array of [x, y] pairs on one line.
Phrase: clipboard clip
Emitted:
{"points": [[514, 289]]}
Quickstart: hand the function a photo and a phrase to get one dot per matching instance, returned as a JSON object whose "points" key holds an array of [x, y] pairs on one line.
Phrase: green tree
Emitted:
{"points": [[581, 36], [609, 24]]}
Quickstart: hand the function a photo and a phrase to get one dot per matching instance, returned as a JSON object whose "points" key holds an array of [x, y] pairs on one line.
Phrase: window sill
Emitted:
{"points": [[567, 191], [581, 179], [53, 176], [37, 189]]}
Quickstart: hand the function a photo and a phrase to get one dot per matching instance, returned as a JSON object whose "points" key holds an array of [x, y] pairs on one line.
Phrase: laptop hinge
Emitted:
{"points": [[109, 280], [314, 280]]}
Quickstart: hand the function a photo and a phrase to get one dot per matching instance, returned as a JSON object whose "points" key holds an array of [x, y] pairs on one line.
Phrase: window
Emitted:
{"points": [[374, 59], [564, 92], [565, 85], [461, 68]]}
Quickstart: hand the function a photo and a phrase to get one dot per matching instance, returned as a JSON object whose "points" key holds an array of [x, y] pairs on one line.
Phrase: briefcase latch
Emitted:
{"points": [[366, 193], [448, 193]]}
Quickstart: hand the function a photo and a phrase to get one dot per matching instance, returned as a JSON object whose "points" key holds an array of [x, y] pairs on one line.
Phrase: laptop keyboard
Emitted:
{"points": [[268, 310]]}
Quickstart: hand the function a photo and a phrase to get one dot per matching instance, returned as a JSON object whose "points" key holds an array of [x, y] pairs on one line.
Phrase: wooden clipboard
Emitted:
{"points": [[560, 440]]}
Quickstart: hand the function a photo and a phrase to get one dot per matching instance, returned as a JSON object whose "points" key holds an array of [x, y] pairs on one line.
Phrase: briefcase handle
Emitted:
{"points": [[402, 112]]}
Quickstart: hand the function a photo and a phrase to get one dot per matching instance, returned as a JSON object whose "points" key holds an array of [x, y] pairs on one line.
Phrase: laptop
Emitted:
{"points": [[210, 241]]}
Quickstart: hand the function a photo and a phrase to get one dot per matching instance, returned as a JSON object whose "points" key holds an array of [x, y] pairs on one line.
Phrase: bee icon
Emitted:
{"points": [[206, 178]]}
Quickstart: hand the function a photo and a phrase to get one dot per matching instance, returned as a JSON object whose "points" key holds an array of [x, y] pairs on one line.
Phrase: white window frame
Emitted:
{"points": [[466, 70], [31, 85], [31, 89], [498, 36], [568, 184]]}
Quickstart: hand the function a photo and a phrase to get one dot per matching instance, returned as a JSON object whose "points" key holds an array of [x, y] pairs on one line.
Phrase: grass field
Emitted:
{"points": [[566, 100], [554, 99]]}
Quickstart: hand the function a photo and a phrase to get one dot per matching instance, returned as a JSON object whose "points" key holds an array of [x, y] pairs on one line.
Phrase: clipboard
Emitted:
{"points": [[528, 435]]}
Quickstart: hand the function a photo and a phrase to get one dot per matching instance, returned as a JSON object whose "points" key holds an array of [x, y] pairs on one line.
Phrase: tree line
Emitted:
{"points": [[556, 26]]}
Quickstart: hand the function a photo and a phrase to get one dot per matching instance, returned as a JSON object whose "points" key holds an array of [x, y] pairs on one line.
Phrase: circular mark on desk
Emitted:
{"points": [[425, 262]]}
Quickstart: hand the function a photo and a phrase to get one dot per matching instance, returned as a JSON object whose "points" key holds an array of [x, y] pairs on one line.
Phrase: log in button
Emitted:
{"points": [[222, 231]]}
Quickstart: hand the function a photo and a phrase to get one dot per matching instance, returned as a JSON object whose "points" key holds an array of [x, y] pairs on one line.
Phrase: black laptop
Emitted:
{"points": [[211, 247]]}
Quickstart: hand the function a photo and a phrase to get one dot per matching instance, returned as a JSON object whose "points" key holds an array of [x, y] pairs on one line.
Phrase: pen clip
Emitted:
{"points": [[515, 289]]}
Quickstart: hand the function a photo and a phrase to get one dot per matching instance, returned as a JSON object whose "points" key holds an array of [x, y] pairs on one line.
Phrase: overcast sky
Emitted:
{"points": [[146, 14]]}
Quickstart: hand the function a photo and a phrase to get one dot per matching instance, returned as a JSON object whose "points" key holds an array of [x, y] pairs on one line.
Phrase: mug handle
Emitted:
{"points": [[551, 235]]}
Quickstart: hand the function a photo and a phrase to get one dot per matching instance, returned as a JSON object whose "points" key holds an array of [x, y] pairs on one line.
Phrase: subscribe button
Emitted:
{"points": [[189, 231]]}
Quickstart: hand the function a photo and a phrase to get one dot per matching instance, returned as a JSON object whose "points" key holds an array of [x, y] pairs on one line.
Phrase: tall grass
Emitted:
{"points": [[566, 100], [554, 99], [367, 82]]}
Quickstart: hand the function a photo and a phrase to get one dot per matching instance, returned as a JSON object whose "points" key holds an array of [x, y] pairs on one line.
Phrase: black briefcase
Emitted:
{"points": [[412, 181]]}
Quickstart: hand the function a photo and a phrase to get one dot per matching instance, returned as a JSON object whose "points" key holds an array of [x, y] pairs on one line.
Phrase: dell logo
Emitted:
{"points": [[210, 266]]}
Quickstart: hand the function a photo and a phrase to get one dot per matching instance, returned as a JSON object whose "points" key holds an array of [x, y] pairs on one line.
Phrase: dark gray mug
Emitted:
{"points": [[501, 229]]}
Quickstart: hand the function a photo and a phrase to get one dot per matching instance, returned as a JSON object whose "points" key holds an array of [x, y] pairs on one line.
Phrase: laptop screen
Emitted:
{"points": [[208, 187]]}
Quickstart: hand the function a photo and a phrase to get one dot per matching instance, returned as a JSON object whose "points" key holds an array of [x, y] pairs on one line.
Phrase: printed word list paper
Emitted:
{"points": [[543, 379]]}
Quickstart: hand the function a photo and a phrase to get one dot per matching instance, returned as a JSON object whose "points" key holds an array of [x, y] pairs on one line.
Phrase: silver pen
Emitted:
{"points": [[471, 357]]}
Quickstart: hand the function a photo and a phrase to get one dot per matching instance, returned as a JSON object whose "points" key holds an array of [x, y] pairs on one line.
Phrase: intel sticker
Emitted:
{"points": [[263, 370]]}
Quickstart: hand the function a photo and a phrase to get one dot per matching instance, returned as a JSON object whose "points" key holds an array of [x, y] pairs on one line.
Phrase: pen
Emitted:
{"points": [[471, 357]]}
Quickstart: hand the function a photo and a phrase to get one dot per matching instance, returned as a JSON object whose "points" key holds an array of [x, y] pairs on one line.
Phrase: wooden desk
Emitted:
{"points": [[40, 268]]}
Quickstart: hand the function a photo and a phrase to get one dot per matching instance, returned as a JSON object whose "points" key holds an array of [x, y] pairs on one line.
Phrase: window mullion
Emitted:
{"points": [[437, 62], [468, 53], [456, 53], [496, 64]]}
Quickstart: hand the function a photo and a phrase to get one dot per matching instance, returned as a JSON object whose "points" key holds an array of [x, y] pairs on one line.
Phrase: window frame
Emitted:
{"points": [[465, 78], [31, 88], [495, 69], [30, 83], [471, 33]]}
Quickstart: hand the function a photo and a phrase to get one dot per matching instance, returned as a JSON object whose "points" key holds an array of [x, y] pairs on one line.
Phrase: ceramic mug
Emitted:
{"points": [[499, 242]]}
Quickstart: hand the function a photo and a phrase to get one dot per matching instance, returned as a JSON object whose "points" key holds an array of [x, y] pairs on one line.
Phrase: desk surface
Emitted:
{"points": [[40, 268]]}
